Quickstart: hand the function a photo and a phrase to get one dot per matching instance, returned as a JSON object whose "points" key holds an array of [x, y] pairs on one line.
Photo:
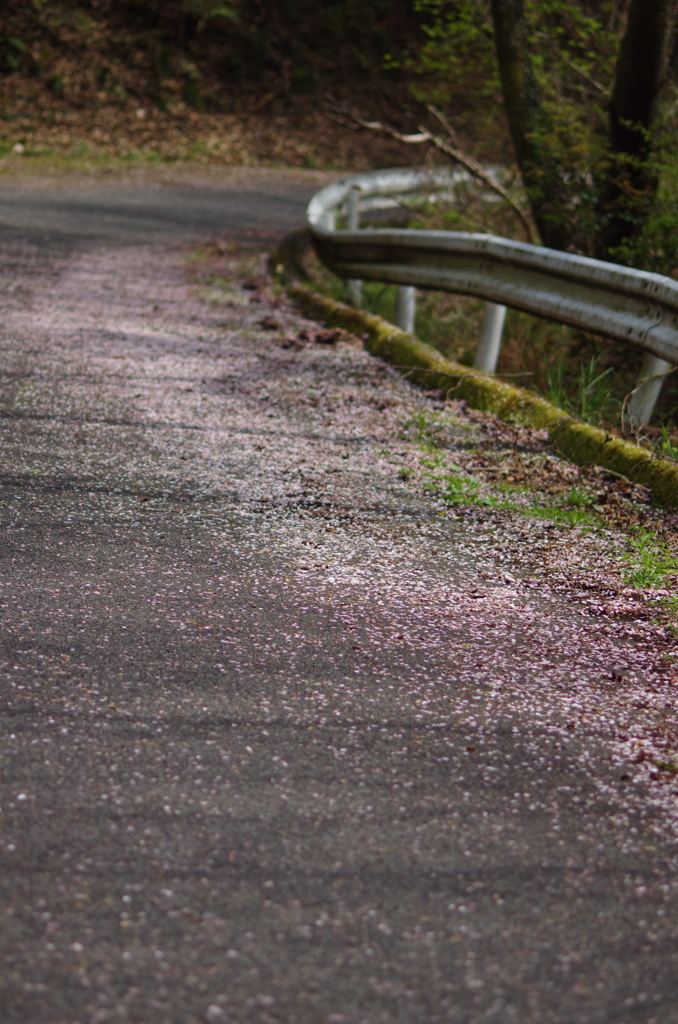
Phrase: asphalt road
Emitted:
{"points": [[283, 739], [157, 211]]}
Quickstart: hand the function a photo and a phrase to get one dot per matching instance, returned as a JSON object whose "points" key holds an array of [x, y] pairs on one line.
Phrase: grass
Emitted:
{"points": [[459, 490], [667, 448], [565, 516], [549, 494], [578, 498], [79, 158], [591, 394], [458, 487], [380, 299], [651, 566], [651, 561], [43, 159], [452, 483], [428, 431], [455, 488]]}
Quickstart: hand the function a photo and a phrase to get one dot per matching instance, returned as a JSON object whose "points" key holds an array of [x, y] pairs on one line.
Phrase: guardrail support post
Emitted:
{"points": [[329, 220], [354, 292], [646, 392], [487, 353], [354, 288], [406, 308]]}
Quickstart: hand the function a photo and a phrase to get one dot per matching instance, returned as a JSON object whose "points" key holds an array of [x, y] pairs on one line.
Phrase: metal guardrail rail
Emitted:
{"points": [[617, 302]]}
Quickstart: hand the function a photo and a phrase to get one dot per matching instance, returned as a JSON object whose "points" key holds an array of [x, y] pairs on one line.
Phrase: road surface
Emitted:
{"points": [[284, 738]]}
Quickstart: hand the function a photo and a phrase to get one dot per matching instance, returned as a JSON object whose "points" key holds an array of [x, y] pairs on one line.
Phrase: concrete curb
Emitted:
{"points": [[424, 365]]}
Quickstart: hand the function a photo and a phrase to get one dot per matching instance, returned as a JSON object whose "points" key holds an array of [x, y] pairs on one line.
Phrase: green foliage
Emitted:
{"points": [[573, 49], [573, 53], [578, 498], [589, 396], [209, 10], [668, 449], [56, 85], [447, 479], [162, 62], [593, 392], [651, 560], [457, 489], [655, 248], [562, 516], [427, 433], [555, 385], [14, 53], [458, 43], [380, 299]]}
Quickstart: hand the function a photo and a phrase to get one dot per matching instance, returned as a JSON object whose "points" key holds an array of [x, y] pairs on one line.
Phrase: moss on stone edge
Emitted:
{"points": [[425, 366]]}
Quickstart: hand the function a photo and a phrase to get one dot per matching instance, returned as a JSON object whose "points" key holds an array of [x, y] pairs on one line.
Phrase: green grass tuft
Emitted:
{"points": [[651, 561]]}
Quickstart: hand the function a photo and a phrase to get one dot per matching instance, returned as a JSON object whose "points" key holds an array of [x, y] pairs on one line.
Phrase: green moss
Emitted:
{"points": [[423, 365]]}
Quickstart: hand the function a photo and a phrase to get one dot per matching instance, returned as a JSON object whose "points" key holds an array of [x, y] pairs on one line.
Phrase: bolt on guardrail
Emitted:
{"points": [[620, 303]]}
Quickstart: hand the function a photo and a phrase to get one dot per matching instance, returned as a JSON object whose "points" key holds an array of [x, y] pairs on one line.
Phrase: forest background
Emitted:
{"points": [[100, 83]]}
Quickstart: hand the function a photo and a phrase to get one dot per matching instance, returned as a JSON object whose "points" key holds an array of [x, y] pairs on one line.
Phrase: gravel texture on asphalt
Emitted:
{"points": [[285, 736]]}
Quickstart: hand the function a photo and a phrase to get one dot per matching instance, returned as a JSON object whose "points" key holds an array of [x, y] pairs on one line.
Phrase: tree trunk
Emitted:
{"points": [[527, 122], [629, 184]]}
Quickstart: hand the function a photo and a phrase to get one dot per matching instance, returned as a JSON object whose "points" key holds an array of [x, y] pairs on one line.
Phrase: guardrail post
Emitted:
{"points": [[487, 353], [354, 288], [328, 220], [406, 307], [646, 391]]}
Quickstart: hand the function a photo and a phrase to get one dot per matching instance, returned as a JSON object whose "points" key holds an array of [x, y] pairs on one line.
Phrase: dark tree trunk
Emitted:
{"points": [[629, 184], [527, 122], [626, 183]]}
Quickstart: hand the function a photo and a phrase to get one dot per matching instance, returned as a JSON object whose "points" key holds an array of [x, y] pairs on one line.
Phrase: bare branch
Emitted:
{"points": [[438, 114], [477, 169], [457, 154]]}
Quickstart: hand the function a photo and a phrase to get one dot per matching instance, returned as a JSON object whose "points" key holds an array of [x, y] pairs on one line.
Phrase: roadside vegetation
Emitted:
{"points": [[586, 376], [520, 475]]}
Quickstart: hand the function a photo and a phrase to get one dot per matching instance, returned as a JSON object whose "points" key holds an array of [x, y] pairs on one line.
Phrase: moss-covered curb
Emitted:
{"points": [[579, 442]]}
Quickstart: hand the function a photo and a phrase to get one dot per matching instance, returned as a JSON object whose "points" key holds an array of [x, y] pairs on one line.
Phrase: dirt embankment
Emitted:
{"points": [[110, 80]]}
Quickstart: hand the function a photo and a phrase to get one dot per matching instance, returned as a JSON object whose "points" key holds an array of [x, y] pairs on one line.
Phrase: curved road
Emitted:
{"points": [[283, 739], [146, 208]]}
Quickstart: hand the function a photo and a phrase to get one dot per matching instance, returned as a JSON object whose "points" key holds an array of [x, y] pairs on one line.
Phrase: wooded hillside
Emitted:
{"points": [[242, 81]]}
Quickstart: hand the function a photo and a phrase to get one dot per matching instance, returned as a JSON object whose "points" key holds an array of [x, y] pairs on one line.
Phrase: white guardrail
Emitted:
{"points": [[617, 302]]}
